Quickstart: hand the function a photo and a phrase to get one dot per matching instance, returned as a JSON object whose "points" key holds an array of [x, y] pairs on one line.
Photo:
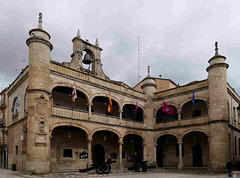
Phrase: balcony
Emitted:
{"points": [[2, 122], [3, 103], [183, 122], [83, 115], [3, 142]]}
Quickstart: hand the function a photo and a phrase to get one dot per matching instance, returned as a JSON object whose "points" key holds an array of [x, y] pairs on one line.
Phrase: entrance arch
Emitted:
{"points": [[196, 142], [167, 151], [197, 156], [98, 154]]}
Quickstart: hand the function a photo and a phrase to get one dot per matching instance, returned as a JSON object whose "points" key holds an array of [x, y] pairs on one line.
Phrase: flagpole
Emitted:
{"points": [[72, 109]]}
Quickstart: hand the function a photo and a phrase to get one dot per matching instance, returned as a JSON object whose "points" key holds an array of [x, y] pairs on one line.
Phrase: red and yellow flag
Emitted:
{"points": [[110, 108], [74, 92]]}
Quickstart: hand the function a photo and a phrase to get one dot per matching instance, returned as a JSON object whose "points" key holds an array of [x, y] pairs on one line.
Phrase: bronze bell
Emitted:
{"points": [[87, 59]]}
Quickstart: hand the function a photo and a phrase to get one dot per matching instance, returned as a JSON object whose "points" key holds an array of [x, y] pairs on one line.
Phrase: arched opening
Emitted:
{"points": [[132, 149], [197, 156], [165, 117], [167, 151], [131, 113], [67, 145], [98, 154], [105, 145], [197, 144], [87, 59], [15, 108], [62, 97], [190, 111], [100, 106]]}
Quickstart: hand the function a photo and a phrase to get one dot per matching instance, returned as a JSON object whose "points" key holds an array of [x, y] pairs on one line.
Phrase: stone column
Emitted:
{"points": [[180, 162], [120, 116], [89, 152], [90, 110], [120, 154], [179, 117]]}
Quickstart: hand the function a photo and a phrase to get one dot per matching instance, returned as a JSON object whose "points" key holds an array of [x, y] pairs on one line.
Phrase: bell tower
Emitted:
{"points": [[38, 144], [218, 111], [92, 56]]}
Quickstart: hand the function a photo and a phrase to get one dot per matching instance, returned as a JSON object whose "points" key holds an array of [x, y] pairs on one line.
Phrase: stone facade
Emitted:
{"points": [[45, 131]]}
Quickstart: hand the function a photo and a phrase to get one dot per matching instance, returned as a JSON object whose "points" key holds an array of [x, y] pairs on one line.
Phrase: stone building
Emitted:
{"points": [[42, 130]]}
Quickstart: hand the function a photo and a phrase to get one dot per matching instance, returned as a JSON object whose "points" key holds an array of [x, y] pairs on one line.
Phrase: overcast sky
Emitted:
{"points": [[177, 36]]}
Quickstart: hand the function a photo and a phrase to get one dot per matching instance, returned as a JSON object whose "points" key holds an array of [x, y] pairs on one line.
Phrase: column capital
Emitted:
{"points": [[180, 142], [89, 140]]}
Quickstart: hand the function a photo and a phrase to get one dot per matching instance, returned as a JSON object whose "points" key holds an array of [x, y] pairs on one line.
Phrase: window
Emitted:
{"points": [[234, 114], [235, 145], [15, 107], [16, 149], [67, 153]]}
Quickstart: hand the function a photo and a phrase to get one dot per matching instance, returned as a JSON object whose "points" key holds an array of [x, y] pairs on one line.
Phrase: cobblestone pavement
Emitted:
{"points": [[115, 173]]}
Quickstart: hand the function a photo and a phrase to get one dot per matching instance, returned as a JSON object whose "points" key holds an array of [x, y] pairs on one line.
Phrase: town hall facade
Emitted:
{"points": [[42, 130]]}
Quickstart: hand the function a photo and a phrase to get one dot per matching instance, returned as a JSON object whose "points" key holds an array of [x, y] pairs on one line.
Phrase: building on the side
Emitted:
{"points": [[43, 131]]}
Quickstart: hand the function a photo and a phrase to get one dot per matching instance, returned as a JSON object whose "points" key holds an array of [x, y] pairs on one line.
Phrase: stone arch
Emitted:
{"points": [[177, 136], [106, 95], [196, 98], [134, 103], [89, 51], [196, 130], [136, 133], [69, 124], [104, 129], [65, 84]]}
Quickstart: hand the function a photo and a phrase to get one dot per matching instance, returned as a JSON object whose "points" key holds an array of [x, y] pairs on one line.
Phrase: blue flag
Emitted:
{"points": [[193, 97]]}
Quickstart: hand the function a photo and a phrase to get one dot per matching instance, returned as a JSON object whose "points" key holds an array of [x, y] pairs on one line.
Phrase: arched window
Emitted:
{"points": [[15, 107]]}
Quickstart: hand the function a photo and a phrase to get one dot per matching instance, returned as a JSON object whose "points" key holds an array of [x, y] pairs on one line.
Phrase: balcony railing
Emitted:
{"points": [[2, 122], [3, 141], [197, 120], [95, 117], [3, 102]]}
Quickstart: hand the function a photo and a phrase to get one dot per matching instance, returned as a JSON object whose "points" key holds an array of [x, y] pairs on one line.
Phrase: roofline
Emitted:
{"points": [[5, 89], [158, 79]]}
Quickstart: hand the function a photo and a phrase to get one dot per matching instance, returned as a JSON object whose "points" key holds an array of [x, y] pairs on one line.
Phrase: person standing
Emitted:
{"points": [[229, 166]]}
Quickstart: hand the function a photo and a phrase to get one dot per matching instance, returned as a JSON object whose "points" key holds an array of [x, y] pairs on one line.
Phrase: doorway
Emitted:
{"points": [[197, 156], [98, 154]]}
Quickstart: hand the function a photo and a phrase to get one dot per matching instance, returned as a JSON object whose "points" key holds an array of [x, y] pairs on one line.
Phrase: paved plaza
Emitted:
{"points": [[154, 173]]}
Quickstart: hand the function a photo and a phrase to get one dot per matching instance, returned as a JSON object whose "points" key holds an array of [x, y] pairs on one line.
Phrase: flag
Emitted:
{"points": [[74, 92], [168, 109], [135, 111], [110, 108], [193, 97]]}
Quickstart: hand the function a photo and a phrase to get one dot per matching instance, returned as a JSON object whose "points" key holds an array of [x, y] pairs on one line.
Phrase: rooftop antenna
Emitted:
{"points": [[139, 53]]}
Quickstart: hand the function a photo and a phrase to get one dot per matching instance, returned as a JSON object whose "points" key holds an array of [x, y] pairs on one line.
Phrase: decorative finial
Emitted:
{"points": [[96, 43], [148, 70], [216, 49], [78, 34], [40, 21]]}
